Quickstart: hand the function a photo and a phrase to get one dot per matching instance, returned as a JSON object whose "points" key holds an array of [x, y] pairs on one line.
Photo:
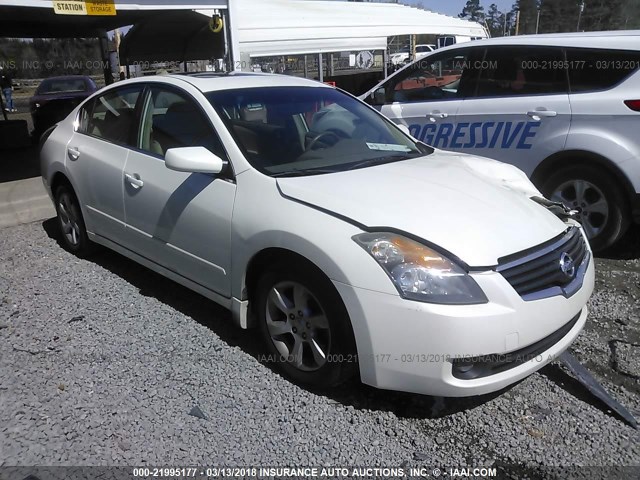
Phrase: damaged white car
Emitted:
{"points": [[353, 247]]}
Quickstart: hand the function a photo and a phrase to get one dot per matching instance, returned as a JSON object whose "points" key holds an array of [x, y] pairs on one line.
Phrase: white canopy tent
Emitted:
{"points": [[292, 27]]}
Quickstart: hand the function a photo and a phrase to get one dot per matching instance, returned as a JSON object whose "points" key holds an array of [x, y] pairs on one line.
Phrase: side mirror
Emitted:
{"points": [[193, 159]]}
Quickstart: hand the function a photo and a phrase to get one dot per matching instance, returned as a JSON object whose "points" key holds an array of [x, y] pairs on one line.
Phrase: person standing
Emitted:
{"points": [[6, 84]]}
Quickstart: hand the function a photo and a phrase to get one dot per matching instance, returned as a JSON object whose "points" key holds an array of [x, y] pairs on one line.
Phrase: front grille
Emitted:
{"points": [[556, 267]]}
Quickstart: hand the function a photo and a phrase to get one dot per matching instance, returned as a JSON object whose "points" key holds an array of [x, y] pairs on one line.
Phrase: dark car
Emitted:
{"points": [[56, 97]]}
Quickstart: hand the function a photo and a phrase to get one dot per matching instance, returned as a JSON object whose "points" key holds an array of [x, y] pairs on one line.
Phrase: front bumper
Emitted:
{"points": [[412, 346]]}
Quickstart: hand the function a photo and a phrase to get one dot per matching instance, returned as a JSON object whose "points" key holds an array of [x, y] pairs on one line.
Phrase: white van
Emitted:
{"points": [[564, 108]]}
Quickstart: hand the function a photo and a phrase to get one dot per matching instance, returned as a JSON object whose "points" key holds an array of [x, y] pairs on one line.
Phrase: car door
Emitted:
{"points": [[96, 155], [426, 96], [520, 111], [179, 220]]}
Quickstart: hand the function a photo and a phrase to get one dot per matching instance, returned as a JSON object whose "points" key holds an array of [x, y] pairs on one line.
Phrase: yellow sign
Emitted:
{"points": [[98, 7], [70, 7], [81, 7]]}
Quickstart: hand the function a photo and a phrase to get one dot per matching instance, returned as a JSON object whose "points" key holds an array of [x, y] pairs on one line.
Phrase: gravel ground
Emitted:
{"points": [[102, 362]]}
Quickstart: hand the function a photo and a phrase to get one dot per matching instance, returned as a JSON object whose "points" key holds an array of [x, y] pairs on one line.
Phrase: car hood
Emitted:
{"points": [[477, 209]]}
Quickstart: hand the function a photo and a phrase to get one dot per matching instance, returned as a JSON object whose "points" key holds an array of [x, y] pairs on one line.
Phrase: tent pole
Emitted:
{"points": [[320, 69], [384, 62], [106, 62], [4, 112]]}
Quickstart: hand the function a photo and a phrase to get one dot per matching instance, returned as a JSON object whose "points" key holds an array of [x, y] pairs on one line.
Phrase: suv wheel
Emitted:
{"points": [[306, 327], [597, 197]]}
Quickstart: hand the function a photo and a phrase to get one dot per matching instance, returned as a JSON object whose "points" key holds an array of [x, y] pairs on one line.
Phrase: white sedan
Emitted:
{"points": [[352, 247]]}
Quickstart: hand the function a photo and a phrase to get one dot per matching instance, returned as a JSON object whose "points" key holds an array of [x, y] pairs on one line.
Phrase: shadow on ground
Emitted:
{"points": [[627, 248], [19, 164], [218, 320]]}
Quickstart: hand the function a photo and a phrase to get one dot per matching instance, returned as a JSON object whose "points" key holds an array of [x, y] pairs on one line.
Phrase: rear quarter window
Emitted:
{"points": [[594, 70]]}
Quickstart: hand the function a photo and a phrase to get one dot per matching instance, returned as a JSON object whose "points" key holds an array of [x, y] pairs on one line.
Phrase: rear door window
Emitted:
{"points": [[113, 115], [520, 70]]}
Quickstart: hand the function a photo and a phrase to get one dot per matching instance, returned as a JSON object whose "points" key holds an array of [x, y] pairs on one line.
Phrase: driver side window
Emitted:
{"points": [[435, 77]]}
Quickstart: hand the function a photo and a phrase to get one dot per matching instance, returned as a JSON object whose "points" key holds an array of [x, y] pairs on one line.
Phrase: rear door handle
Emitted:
{"points": [[73, 152], [135, 182], [542, 113]]}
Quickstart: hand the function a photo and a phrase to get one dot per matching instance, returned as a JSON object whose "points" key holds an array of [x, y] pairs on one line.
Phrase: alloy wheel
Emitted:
{"points": [[588, 200], [68, 220], [298, 326]]}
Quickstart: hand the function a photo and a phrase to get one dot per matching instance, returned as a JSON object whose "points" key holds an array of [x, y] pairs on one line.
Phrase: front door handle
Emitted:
{"points": [[435, 115], [538, 114], [135, 182], [73, 152]]}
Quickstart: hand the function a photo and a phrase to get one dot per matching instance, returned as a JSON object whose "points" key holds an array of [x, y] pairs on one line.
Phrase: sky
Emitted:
{"points": [[454, 7]]}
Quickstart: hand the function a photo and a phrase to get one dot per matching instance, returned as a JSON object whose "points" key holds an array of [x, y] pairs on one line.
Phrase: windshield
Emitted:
{"points": [[286, 131], [60, 85]]}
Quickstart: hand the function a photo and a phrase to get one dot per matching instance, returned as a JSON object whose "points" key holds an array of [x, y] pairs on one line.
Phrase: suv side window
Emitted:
{"points": [[520, 70], [113, 115], [170, 120], [436, 77], [592, 70]]}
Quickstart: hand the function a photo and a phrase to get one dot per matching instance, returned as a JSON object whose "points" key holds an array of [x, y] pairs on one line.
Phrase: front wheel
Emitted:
{"points": [[596, 196], [306, 327]]}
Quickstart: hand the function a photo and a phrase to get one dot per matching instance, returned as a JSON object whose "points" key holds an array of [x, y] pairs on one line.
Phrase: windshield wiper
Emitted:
{"points": [[303, 172], [379, 161]]}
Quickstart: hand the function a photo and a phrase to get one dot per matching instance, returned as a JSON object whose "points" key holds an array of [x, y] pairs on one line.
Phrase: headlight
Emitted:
{"points": [[419, 272]]}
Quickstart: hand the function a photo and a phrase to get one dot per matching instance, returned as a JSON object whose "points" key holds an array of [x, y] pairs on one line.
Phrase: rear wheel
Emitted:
{"points": [[596, 196], [306, 327], [73, 232]]}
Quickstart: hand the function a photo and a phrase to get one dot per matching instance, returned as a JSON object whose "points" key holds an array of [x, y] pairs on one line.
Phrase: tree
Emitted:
{"points": [[630, 15], [562, 15], [528, 15], [495, 21], [558, 16], [473, 11]]}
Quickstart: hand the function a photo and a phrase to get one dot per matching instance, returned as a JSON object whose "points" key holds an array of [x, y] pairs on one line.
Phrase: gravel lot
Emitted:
{"points": [[102, 361]]}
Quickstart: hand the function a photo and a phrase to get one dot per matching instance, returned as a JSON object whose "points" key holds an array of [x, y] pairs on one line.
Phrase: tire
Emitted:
{"points": [[73, 233], [318, 315], [598, 197]]}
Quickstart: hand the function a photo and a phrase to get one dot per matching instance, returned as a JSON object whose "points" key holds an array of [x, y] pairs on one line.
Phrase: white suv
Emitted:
{"points": [[564, 108]]}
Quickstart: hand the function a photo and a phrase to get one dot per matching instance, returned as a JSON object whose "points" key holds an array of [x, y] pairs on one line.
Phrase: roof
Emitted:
{"points": [[36, 18], [623, 39], [288, 27], [208, 82]]}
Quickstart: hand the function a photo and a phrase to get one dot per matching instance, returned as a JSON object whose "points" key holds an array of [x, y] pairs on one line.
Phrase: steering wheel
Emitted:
{"points": [[315, 139]]}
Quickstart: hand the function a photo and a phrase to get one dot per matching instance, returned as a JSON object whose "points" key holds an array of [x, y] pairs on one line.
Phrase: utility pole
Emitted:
{"points": [[538, 20], [517, 21], [580, 16]]}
